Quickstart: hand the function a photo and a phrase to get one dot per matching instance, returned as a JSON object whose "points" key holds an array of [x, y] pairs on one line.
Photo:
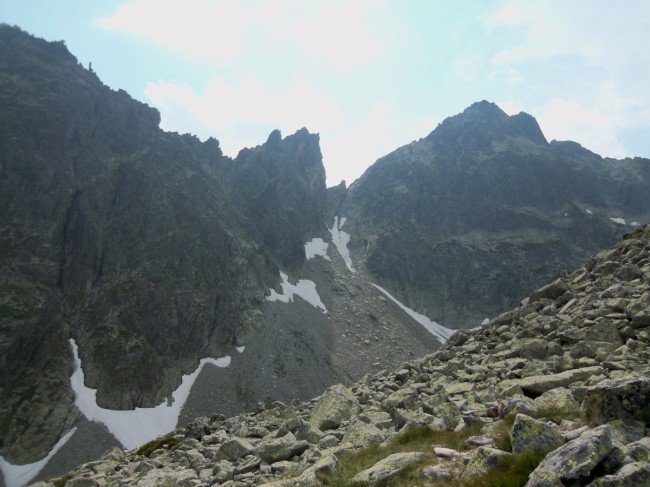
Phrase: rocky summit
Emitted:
{"points": [[555, 392], [464, 222]]}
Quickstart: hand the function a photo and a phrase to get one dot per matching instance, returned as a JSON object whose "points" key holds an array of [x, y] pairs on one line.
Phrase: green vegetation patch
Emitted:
{"points": [[168, 442], [513, 472]]}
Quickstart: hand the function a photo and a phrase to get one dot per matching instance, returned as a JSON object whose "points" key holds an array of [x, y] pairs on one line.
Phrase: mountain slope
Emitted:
{"points": [[464, 223], [152, 251], [553, 392]]}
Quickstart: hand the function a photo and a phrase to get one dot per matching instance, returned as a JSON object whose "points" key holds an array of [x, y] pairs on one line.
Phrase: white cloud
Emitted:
{"points": [[337, 32], [568, 120], [349, 151], [584, 64], [511, 108], [243, 113], [207, 30]]}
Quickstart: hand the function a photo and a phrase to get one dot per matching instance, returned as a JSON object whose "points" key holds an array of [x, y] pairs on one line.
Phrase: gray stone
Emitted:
{"points": [[234, 449], [538, 384], [574, 460], [362, 434], [635, 474], [223, 470], [169, 478], [277, 449], [550, 291], [558, 401], [334, 407], [624, 398], [529, 434], [482, 460], [388, 467], [381, 419]]}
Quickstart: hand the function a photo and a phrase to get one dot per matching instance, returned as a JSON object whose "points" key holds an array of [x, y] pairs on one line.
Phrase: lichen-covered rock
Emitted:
{"points": [[529, 348], [359, 433], [234, 449], [482, 460], [381, 419], [388, 467], [551, 291], [518, 403], [635, 474], [223, 470], [537, 385], [169, 478], [335, 406], [530, 434], [628, 397], [557, 401], [277, 449], [404, 397], [574, 460]]}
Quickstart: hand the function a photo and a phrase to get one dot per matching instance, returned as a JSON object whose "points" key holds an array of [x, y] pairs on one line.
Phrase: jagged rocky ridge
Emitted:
{"points": [[153, 250], [462, 224], [566, 374]]}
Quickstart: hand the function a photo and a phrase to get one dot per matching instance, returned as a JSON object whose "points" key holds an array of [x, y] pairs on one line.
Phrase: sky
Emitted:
{"points": [[367, 75]]}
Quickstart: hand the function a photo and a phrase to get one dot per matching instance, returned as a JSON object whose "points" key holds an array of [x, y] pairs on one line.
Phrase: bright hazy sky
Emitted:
{"points": [[368, 76]]}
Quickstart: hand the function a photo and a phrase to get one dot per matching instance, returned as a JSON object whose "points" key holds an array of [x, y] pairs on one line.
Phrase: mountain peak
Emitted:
{"points": [[483, 123], [485, 110]]}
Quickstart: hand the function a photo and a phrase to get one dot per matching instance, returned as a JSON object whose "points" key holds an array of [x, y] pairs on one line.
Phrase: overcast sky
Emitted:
{"points": [[368, 76]]}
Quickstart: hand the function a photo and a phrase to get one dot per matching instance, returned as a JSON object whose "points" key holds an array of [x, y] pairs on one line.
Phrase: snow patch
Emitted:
{"points": [[240, 349], [485, 321], [635, 224], [620, 221], [133, 428], [19, 475], [316, 246], [340, 240], [589, 212], [442, 333], [304, 288]]}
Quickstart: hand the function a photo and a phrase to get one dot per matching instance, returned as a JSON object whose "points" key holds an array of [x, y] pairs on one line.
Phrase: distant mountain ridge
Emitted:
{"points": [[462, 222], [153, 250]]}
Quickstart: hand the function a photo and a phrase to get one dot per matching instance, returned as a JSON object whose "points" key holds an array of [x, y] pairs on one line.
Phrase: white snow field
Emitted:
{"points": [[620, 221], [19, 475], [317, 246], [442, 333], [135, 427], [304, 288], [340, 240]]}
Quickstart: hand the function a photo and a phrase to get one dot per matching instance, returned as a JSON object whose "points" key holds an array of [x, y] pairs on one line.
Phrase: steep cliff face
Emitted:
{"points": [[152, 251], [119, 235], [280, 188], [463, 223]]}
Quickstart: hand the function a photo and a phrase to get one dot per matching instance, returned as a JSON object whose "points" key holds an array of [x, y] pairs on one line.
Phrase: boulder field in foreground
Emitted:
{"points": [[565, 375]]}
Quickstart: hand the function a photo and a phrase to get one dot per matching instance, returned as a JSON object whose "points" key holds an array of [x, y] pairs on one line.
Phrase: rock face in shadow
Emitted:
{"points": [[464, 223], [280, 189], [141, 244]]}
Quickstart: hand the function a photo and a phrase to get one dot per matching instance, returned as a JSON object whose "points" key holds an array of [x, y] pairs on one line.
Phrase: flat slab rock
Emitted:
{"points": [[388, 467]]}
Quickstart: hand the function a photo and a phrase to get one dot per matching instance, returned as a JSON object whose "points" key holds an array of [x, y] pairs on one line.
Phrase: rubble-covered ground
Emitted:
{"points": [[563, 379]]}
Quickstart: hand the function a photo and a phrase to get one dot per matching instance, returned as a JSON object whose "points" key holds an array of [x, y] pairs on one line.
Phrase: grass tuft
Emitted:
{"points": [[513, 472], [147, 449]]}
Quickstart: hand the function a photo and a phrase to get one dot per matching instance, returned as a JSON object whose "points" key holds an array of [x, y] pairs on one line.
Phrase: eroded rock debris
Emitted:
{"points": [[577, 359]]}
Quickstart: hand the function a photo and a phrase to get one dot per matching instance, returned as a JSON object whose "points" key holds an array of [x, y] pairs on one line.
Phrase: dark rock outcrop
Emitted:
{"points": [[462, 224]]}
